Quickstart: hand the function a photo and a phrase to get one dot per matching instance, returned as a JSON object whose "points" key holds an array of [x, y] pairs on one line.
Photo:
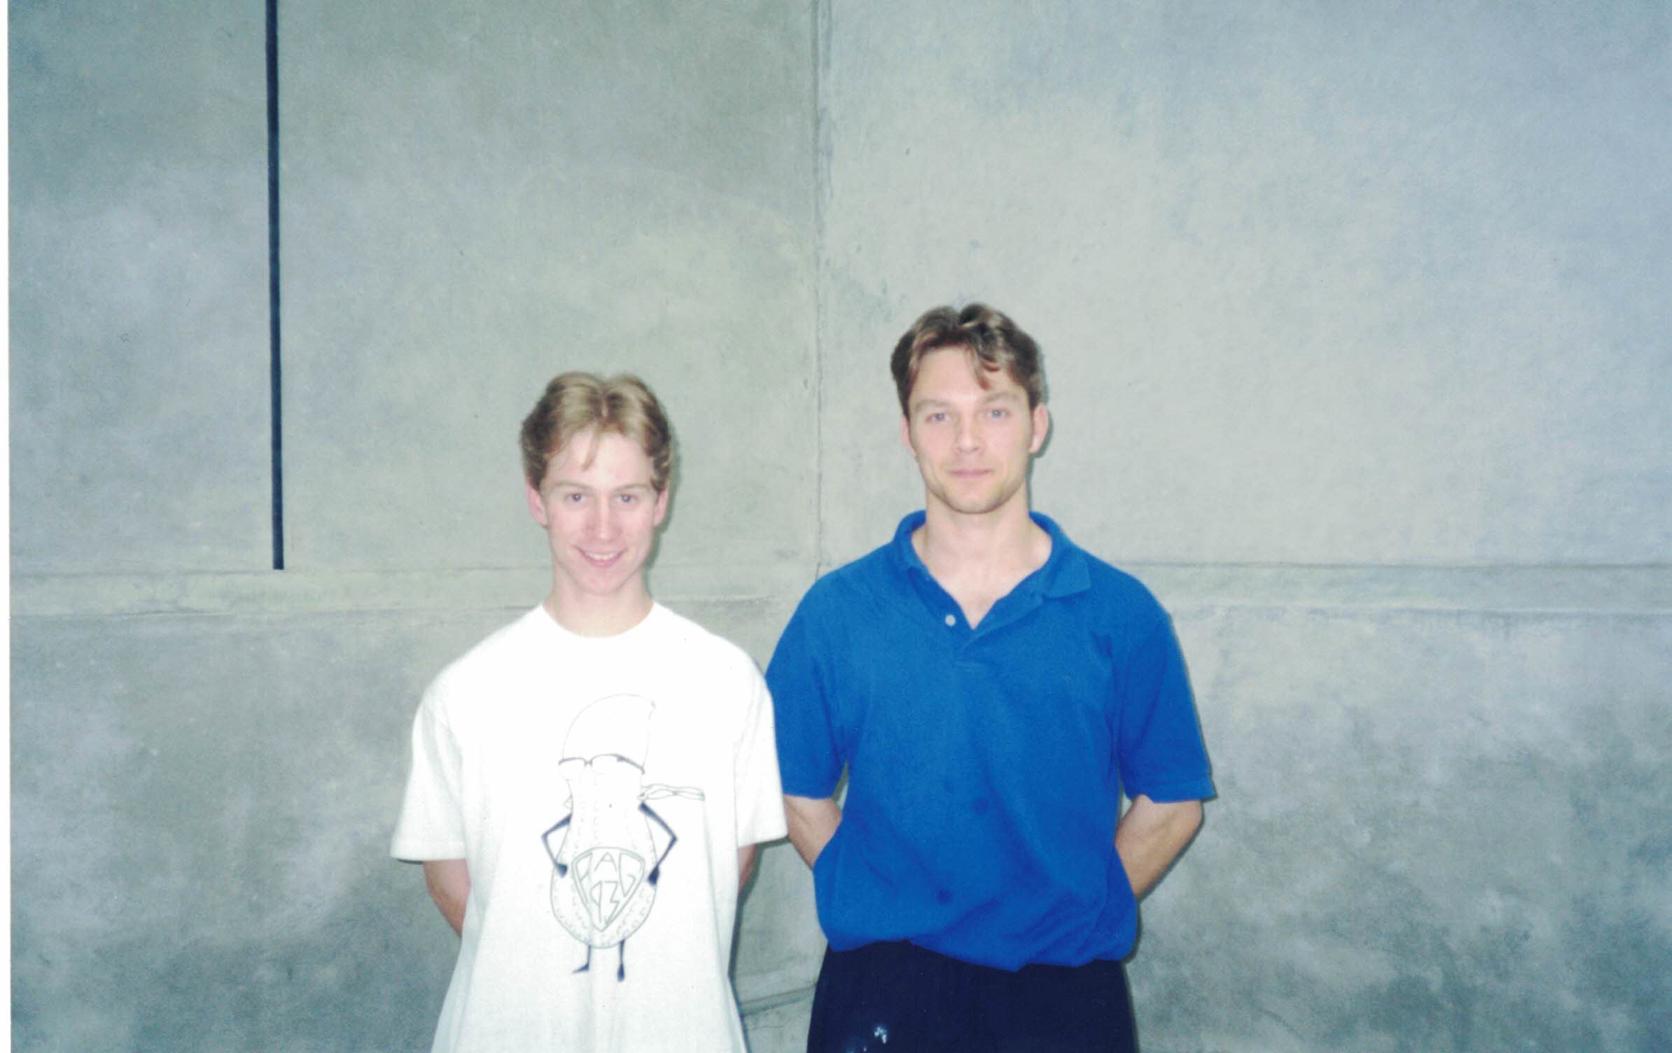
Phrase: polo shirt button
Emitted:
{"points": [[951, 619]]}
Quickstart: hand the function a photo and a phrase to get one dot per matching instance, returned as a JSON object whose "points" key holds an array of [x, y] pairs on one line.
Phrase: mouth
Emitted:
{"points": [[600, 560]]}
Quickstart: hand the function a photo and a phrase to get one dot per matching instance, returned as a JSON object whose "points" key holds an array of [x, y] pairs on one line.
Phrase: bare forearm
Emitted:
{"points": [[449, 883], [1150, 837], [813, 822]]}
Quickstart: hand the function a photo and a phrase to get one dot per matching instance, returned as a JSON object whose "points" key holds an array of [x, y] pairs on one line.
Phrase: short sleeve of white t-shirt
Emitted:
{"points": [[432, 816], [760, 801]]}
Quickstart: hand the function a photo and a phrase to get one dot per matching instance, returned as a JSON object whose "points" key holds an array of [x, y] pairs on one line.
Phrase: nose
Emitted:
{"points": [[968, 438], [602, 523]]}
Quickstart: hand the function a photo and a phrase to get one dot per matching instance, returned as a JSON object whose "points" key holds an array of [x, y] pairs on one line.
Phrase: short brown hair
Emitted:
{"points": [[989, 337], [574, 402]]}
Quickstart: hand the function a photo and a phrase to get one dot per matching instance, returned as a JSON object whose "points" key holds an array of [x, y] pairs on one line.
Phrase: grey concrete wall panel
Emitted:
{"points": [[478, 199], [779, 945], [1436, 830], [139, 349], [1321, 286], [201, 814], [1437, 814], [779, 1028]]}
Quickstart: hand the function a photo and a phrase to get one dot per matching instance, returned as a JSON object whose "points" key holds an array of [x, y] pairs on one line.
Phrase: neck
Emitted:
{"points": [[598, 616], [949, 541], [979, 559]]}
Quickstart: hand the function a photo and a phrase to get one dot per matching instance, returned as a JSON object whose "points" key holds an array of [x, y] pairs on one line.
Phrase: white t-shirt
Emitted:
{"points": [[599, 788]]}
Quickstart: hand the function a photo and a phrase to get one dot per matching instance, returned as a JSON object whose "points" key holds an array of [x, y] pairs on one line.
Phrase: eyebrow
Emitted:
{"points": [[558, 484], [995, 396]]}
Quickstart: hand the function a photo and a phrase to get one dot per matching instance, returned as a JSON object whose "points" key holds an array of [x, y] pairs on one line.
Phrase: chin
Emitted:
{"points": [[609, 584], [980, 504]]}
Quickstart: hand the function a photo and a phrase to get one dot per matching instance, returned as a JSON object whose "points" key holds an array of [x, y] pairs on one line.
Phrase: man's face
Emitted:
{"points": [[600, 512], [972, 442]]}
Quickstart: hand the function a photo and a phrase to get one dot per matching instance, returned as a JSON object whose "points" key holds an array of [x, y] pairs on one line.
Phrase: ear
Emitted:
{"points": [[905, 434], [536, 504], [1041, 427], [662, 506]]}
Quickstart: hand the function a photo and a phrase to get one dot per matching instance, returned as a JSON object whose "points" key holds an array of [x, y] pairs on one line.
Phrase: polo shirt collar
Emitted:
{"points": [[1063, 574]]}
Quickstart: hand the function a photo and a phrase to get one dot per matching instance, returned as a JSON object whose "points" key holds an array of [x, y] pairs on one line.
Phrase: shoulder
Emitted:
{"points": [[708, 652], [1113, 600], [1121, 591], [864, 582], [504, 648], [718, 683]]}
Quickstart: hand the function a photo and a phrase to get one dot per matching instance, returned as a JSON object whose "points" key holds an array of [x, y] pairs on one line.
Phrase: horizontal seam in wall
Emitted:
{"points": [[1611, 591], [276, 611], [1178, 606]]}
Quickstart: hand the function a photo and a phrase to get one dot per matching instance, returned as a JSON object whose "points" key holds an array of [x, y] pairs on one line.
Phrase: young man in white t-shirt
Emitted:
{"points": [[589, 784]]}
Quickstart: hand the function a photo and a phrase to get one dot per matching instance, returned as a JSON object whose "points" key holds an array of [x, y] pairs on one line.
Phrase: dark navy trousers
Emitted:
{"points": [[900, 998]]}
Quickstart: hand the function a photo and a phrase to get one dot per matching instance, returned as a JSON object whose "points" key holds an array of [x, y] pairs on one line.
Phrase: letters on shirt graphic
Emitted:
{"points": [[607, 850]]}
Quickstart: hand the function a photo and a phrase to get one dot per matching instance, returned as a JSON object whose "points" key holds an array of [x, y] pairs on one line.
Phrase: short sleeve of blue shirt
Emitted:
{"points": [[1159, 741], [809, 761]]}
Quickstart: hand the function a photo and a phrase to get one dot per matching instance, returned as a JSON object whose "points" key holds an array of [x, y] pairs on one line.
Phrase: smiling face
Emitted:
{"points": [[972, 437], [600, 510]]}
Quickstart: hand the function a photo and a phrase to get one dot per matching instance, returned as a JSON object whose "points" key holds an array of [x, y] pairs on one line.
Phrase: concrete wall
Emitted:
{"points": [[139, 289], [1355, 327], [1356, 332]]}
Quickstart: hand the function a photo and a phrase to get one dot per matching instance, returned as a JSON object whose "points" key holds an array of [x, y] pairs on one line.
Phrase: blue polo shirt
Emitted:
{"points": [[986, 765]]}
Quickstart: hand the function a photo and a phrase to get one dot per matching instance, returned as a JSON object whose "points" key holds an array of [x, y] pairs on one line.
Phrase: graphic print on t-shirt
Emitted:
{"points": [[607, 850]]}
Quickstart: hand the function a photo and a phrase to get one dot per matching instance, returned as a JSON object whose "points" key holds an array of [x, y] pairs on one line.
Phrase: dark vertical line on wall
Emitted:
{"points": [[821, 191], [273, 357]]}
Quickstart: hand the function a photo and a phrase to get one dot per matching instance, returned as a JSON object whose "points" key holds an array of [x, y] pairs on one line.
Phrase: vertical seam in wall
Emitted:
{"points": [[821, 190], [276, 420]]}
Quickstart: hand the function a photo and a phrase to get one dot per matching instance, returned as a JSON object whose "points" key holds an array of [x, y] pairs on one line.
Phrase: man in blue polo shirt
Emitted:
{"points": [[993, 693]]}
